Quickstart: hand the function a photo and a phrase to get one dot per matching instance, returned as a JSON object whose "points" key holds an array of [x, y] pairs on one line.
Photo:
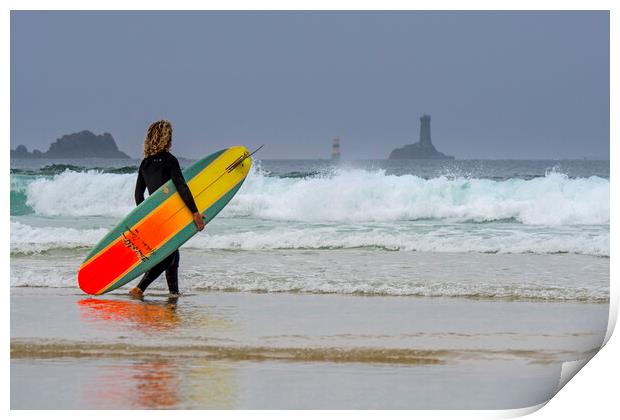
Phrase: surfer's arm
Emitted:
{"points": [[179, 182], [140, 187]]}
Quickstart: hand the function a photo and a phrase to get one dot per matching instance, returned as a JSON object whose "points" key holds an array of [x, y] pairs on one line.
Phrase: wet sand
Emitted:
{"points": [[287, 350]]}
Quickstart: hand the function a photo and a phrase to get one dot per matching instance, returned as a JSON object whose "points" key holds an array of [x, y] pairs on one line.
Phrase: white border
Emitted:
{"points": [[594, 392]]}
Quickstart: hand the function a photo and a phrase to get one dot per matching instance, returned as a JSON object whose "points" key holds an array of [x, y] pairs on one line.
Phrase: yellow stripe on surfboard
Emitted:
{"points": [[174, 212]]}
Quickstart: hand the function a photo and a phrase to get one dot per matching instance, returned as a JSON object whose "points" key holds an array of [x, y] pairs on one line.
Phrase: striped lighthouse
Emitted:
{"points": [[336, 149]]}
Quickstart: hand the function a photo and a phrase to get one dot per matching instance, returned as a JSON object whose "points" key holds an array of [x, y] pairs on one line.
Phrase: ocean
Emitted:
{"points": [[332, 213], [352, 284]]}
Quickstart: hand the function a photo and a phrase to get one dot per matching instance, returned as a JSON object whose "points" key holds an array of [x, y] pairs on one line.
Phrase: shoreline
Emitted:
{"points": [[508, 277], [158, 292]]}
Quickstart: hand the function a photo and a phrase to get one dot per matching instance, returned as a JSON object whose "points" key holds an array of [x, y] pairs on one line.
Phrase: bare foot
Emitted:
{"points": [[136, 293]]}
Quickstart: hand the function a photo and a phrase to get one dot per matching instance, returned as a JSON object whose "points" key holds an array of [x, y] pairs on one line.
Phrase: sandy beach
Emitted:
{"points": [[283, 350]]}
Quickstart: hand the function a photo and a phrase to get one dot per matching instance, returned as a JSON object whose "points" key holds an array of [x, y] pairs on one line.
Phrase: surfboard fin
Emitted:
{"points": [[240, 159]]}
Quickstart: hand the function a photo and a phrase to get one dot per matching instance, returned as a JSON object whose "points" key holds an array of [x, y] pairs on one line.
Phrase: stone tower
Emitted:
{"points": [[424, 148], [425, 130]]}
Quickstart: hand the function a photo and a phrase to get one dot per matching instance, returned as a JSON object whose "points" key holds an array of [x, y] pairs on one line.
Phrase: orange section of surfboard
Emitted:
{"points": [[165, 227]]}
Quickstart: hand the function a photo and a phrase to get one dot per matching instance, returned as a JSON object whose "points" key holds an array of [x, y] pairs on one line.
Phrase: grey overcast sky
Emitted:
{"points": [[496, 84]]}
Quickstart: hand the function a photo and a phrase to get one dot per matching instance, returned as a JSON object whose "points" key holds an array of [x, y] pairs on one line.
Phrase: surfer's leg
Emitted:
{"points": [[154, 272], [172, 274]]}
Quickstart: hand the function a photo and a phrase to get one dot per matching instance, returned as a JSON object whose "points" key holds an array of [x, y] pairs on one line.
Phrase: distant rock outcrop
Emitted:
{"points": [[424, 148], [84, 144], [20, 152]]}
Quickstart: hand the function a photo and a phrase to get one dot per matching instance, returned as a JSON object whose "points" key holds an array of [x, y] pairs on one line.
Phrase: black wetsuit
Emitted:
{"points": [[154, 172]]}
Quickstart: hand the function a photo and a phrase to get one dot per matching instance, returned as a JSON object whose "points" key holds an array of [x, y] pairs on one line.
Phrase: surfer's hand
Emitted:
{"points": [[200, 223]]}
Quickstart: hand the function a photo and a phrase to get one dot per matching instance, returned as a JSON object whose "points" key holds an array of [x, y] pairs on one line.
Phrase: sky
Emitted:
{"points": [[498, 85]]}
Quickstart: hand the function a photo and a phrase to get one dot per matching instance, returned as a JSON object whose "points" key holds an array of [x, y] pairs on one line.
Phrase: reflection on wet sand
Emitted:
{"points": [[155, 382], [154, 316], [162, 384], [144, 316], [141, 384], [214, 385]]}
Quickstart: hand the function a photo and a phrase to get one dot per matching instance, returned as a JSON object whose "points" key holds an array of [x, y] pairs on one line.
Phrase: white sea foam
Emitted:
{"points": [[82, 194], [397, 288], [442, 240], [356, 211], [353, 196], [346, 209], [360, 195], [26, 239], [554, 277]]}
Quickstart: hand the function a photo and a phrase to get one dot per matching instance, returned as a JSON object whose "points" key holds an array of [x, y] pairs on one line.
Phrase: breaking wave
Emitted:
{"points": [[344, 196]]}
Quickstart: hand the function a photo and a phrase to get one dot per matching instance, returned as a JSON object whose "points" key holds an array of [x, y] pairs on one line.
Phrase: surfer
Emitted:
{"points": [[157, 167]]}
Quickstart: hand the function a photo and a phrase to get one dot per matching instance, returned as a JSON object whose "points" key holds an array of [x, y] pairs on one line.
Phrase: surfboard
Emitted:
{"points": [[162, 222]]}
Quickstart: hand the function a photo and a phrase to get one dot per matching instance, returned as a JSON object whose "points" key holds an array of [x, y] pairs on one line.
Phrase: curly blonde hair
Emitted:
{"points": [[158, 138]]}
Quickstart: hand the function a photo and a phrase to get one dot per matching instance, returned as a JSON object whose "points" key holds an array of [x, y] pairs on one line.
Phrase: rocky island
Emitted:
{"points": [[84, 144], [424, 148]]}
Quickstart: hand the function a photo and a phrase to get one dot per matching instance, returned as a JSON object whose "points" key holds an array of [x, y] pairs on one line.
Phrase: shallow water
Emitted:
{"points": [[554, 278]]}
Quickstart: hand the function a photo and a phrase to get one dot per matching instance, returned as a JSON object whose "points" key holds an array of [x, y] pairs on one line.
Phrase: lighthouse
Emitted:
{"points": [[336, 149], [425, 130]]}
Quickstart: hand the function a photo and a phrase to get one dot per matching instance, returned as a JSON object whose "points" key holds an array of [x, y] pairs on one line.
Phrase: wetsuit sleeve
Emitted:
{"points": [[179, 182], [140, 187]]}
